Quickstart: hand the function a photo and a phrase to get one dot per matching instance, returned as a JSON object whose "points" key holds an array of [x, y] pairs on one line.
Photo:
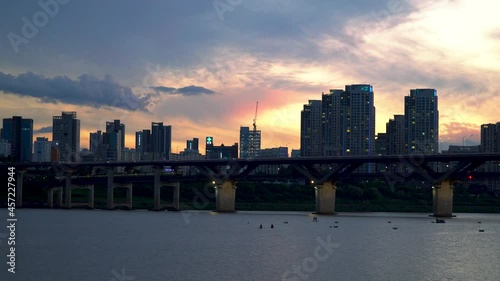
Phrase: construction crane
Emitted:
{"points": [[255, 118], [252, 140]]}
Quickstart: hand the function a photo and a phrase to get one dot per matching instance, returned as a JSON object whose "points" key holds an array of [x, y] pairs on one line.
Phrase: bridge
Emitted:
{"points": [[441, 170]]}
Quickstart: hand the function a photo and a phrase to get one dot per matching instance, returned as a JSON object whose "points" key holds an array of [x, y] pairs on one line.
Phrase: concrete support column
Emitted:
{"points": [[67, 191], [157, 188], [325, 198], [60, 197], [110, 202], [176, 197], [129, 196], [50, 198], [442, 199], [59, 192], [225, 197], [91, 196], [19, 188]]}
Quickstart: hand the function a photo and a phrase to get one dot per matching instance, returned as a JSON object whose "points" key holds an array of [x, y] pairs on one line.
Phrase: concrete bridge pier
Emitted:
{"points": [[157, 189], [67, 191], [176, 196], [90, 197], [225, 197], [128, 200], [59, 191], [442, 199], [325, 198], [110, 186], [19, 187]]}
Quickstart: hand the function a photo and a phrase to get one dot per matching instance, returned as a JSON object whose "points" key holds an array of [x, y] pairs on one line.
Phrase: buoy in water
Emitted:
{"points": [[272, 225], [260, 226]]}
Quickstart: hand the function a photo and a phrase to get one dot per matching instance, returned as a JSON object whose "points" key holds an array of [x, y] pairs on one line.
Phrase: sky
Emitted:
{"points": [[201, 66]]}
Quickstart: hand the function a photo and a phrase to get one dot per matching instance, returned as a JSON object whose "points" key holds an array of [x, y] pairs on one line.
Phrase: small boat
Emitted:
{"points": [[315, 219], [440, 221]]}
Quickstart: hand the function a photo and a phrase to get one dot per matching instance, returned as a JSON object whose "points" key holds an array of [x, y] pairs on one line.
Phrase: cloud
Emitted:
{"points": [[87, 90], [185, 91], [42, 130]]}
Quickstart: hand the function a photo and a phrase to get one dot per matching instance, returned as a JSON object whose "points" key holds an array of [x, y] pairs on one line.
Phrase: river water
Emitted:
{"points": [[99, 245]]}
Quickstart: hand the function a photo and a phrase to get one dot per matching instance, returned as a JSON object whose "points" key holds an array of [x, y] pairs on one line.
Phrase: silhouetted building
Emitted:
{"points": [[462, 149], [396, 136], [422, 121], [192, 144], [249, 142], [143, 145], [220, 152], [295, 153], [19, 133], [310, 129], [114, 138], [95, 140], [4, 148], [66, 133], [490, 138], [490, 143], [161, 140], [381, 143], [42, 150]]}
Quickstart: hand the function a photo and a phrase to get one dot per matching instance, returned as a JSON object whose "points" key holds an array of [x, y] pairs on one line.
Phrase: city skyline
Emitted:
{"points": [[218, 65]]}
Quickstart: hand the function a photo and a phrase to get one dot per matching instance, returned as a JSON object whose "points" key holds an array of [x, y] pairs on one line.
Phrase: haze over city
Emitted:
{"points": [[201, 66]]}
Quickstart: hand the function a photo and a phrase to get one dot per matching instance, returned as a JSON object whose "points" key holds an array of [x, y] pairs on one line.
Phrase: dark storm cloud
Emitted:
{"points": [[86, 90], [185, 91], [42, 130]]}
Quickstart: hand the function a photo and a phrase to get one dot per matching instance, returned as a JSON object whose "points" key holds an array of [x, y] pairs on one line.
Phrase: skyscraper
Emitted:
{"points": [[96, 140], [19, 133], [310, 129], [490, 143], [250, 142], [490, 138], [422, 121], [348, 121], [161, 140], [66, 133], [116, 126], [396, 135], [114, 138]]}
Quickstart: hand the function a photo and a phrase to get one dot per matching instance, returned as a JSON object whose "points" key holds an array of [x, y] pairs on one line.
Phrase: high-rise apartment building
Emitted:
{"points": [[422, 121], [310, 129], [114, 127], [490, 138], [349, 121], [66, 134], [250, 142], [396, 135], [114, 139], [161, 140], [19, 133]]}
